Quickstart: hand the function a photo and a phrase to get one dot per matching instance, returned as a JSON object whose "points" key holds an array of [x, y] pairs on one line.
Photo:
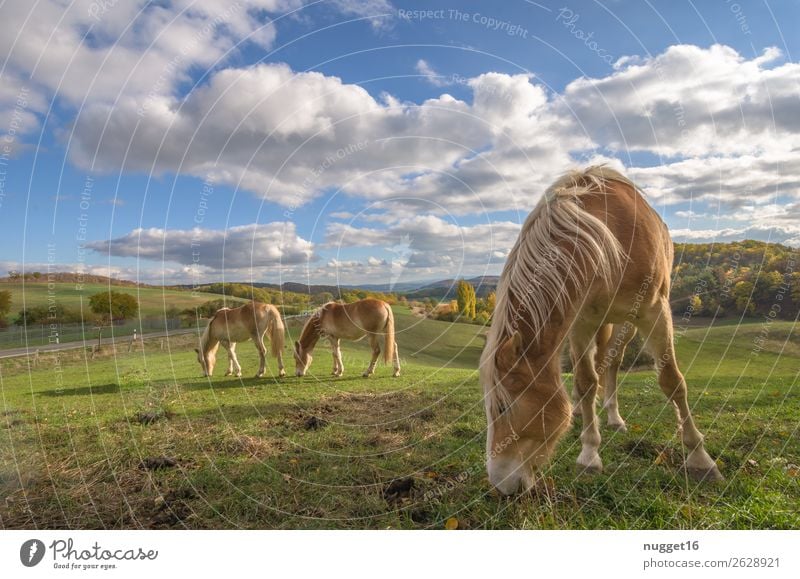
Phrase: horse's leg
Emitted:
{"points": [[584, 346], [262, 355], [229, 348], [656, 327], [376, 351], [576, 399], [608, 368], [234, 369], [603, 335], [281, 368], [396, 359], [336, 350]]}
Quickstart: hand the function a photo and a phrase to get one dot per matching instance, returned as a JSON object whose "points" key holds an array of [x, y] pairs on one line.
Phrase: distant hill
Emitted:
{"points": [[446, 288], [69, 277]]}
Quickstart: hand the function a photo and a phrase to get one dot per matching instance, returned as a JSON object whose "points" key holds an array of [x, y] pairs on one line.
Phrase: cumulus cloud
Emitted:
{"points": [[268, 245], [288, 136], [784, 234], [692, 101], [429, 242]]}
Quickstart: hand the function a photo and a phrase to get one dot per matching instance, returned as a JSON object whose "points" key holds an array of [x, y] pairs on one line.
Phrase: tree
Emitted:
{"points": [[323, 298], [491, 300], [465, 296], [5, 303], [5, 306], [113, 305]]}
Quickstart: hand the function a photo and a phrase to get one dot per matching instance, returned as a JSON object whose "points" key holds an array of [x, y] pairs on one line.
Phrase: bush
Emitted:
{"points": [[57, 314]]}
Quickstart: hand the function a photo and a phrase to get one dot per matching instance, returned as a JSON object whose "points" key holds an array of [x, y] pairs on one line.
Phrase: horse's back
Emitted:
{"points": [[354, 320], [644, 239]]}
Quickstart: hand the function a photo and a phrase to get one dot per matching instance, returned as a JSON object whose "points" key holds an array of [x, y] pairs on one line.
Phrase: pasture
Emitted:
{"points": [[153, 301], [142, 440]]}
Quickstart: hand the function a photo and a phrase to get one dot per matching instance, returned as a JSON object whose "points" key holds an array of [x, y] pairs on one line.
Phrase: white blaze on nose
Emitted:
{"points": [[509, 476]]}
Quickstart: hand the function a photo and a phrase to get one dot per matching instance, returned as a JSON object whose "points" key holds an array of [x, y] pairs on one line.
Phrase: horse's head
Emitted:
{"points": [[302, 359], [527, 410], [207, 361]]}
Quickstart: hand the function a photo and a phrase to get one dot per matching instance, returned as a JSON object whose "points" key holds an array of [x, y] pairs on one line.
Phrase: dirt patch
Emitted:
{"points": [[158, 463], [426, 415], [398, 490], [152, 416], [172, 509], [314, 422], [368, 408], [255, 446], [658, 453]]}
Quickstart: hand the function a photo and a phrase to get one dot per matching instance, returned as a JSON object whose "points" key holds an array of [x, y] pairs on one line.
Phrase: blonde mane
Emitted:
{"points": [[559, 246]]}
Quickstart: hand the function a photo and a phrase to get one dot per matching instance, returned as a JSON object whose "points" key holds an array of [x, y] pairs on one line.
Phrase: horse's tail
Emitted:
{"points": [[277, 331], [388, 338]]}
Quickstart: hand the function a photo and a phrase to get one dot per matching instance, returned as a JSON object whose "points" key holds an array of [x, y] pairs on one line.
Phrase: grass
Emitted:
{"points": [[321, 452], [153, 302]]}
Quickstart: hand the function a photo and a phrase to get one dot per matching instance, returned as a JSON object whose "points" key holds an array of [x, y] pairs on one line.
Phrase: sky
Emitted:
{"points": [[378, 141]]}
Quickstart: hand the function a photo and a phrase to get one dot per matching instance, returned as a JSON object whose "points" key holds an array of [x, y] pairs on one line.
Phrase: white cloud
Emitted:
{"points": [[379, 12], [430, 74], [784, 234], [430, 242], [268, 245], [692, 101], [288, 136]]}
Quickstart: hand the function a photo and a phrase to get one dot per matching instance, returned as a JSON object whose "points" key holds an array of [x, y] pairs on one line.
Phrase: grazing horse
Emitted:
{"points": [[248, 322], [367, 317], [592, 253], [611, 343]]}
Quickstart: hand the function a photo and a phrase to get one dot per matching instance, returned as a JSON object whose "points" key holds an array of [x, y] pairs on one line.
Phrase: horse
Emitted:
{"points": [[334, 321], [592, 254], [228, 326], [611, 343]]}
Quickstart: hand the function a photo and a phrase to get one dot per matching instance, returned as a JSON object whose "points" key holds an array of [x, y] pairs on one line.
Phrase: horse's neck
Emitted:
{"points": [[310, 335], [208, 342], [545, 345]]}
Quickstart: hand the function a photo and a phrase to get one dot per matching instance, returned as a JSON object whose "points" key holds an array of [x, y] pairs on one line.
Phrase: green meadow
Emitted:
{"points": [[153, 301], [141, 440]]}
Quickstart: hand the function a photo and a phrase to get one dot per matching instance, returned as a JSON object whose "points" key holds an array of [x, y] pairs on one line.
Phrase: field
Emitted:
{"points": [[153, 301], [141, 440]]}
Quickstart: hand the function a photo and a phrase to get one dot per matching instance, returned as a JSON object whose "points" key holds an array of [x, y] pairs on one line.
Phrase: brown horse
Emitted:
{"points": [[592, 253], [611, 343], [367, 317], [248, 322]]}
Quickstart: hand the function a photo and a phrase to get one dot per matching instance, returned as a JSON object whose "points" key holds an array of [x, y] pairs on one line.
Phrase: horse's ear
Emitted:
{"points": [[511, 350], [297, 345], [196, 350], [516, 341]]}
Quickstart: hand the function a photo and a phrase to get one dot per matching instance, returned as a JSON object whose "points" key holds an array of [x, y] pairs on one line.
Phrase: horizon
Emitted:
{"points": [[377, 142]]}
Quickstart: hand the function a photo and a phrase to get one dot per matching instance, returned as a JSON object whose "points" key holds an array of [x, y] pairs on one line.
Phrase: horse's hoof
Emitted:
{"points": [[588, 470], [705, 474], [259, 375], [365, 375], [621, 427], [395, 375], [282, 374]]}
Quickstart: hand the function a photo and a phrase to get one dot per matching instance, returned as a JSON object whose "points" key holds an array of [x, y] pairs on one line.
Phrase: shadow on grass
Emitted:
{"points": [[229, 382], [111, 388]]}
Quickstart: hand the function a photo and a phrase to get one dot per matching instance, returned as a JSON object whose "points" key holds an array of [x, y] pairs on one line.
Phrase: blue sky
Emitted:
{"points": [[375, 141]]}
